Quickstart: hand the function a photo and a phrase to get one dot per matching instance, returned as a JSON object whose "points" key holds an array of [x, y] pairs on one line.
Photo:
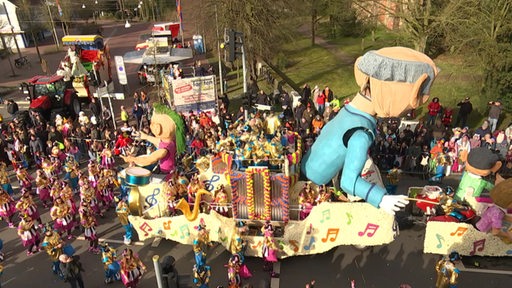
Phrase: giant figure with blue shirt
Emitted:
{"points": [[392, 81]]}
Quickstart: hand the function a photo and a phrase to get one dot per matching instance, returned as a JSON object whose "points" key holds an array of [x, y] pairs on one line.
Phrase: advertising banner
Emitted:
{"points": [[196, 94]]}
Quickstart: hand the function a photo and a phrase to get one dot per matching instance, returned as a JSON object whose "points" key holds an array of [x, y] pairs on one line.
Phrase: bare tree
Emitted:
{"points": [[483, 29]]}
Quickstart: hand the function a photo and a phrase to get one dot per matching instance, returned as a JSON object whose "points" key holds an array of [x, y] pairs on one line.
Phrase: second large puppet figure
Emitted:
{"points": [[392, 81]]}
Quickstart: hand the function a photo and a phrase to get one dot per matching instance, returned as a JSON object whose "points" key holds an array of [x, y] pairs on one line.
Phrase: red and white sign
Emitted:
{"points": [[196, 94]]}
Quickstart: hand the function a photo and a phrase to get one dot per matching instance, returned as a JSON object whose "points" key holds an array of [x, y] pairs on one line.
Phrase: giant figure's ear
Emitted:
{"points": [[464, 155], [416, 98], [156, 128], [496, 167]]}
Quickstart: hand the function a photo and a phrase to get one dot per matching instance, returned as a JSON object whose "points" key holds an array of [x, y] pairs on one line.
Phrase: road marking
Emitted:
{"points": [[274, 282], [478, 270], [136, 243], [156, 241]]}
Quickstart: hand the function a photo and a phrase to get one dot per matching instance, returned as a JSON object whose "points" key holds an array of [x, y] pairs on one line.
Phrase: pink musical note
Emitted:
{"points": [[331, 231], [478, 246], [460, 231], [145, 226], [184, 231], [349, 216], [311, 244], [167, 225], [371, 228], [326, 215], [295, 245], [440, 239], [310, 229]]}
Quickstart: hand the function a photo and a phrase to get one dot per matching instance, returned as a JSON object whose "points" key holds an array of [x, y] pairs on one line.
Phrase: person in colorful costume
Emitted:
{"points": [[238, 246], [110, 263], [60, 213], [66, 194], [27, 207], [447, 272], [202, 276], [87, 193], [480, 162], [94, 172], [169, 131], [234, 280], [122, 212], [107, 157], [43, 188], [89, 223], [199, 254], [221, 200], [24, 178], [495, 218], [391, 80], [4, 179], [29, 235], [53, 245], [71, 169], [7, 207], [132, 268]]}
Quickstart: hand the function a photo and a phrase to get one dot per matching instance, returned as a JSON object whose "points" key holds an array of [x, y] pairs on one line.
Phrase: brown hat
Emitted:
{"points": [[501, 194]]}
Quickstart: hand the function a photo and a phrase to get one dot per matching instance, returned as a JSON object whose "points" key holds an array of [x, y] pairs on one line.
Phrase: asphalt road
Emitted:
{"points": [[401, 261]]}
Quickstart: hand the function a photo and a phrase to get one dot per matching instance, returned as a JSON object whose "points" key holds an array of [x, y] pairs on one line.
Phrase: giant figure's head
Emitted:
{"points": [[395, 79], [166, 123]]}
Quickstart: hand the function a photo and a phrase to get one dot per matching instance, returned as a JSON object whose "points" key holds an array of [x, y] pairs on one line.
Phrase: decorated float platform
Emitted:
{"points": [[257, 194], [445, 237]]}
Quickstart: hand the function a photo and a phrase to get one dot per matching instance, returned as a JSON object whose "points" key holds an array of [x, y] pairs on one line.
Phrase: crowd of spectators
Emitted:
{"points": [[256, 135]]}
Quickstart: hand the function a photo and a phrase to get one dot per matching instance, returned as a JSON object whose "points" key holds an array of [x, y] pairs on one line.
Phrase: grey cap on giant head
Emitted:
{"points": [[398, 79]]}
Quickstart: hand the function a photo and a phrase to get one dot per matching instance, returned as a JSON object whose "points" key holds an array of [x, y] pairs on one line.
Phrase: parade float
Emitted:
{"points": [[264, 190], [256, 194], [475, 218]]}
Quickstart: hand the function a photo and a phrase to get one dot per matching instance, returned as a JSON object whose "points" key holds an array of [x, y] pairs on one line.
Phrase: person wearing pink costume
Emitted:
{"points": [[63, 219], [27, 207], [104, 191], [269, 249], [107, 158], [7, 207], [29, 235], [132, 268], [24, 178], [89, 223], [43, 188], [93, 171], [66, 193], [87, 193]]}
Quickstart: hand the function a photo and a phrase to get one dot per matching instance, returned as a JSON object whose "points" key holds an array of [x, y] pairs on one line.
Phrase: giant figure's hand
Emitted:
{"points": [[393, 203]]}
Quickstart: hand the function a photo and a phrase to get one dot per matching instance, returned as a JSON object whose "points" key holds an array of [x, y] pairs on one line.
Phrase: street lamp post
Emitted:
{"points": [[55, 37]]}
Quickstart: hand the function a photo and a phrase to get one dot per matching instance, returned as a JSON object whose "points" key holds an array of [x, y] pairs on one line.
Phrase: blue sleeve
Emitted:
{"points": [[351, 180]]}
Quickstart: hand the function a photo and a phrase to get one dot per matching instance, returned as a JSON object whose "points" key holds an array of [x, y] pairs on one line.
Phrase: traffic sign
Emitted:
{"points": [[121, 71]]}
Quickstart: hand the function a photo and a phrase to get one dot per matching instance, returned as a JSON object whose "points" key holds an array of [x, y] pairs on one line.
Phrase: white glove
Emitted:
{"points": [[393, 203]]}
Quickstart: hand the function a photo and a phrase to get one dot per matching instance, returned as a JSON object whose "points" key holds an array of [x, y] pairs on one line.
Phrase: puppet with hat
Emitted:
{"points": [[480, 162], [169, 131], [392, 81], [496, 219]]}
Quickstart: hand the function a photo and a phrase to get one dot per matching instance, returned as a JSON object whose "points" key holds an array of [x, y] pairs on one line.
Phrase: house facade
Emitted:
{"points": [[9, 23]]}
